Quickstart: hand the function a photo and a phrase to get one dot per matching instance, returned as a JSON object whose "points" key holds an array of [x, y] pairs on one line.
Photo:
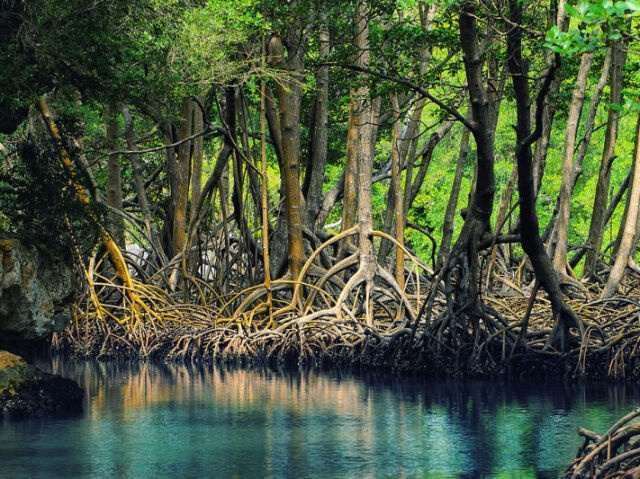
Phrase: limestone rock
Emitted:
{"points": [[27, 391], [34, 293]]}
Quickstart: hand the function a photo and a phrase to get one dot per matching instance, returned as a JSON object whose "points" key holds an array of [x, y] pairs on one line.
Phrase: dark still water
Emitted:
{"points": [[144, 420]]}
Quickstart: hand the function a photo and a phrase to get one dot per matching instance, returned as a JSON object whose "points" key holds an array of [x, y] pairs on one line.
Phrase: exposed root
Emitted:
{"points": [[616, 453]]}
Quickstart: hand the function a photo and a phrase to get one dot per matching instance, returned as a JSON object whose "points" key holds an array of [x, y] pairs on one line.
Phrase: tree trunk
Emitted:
{"points": [[182, 178], [530, 233], [138, 180], [397, 192], [596, 227], [351, 166], [450, 211], [318, 156], [630, 225], [560, 19], [564, 197], [591, 116], [196, 168], [289, 93], [366, 113], [464, 254], [114, 187]]}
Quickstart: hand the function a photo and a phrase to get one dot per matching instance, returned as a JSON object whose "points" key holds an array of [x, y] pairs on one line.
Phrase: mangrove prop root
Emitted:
{"points": [[614, 454]]}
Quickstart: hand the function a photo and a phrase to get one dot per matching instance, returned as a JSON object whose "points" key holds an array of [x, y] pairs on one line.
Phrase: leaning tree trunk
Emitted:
{"points": [[564, 197], [596, 227], [530, 234], [138, 180], [450, 211], [630, 225], [462, 298]]}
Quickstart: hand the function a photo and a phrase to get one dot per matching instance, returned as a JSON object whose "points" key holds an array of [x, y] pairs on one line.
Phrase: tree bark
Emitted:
{"points": [[196, 167], [318, 156], [351, 166], [289, 93], [630, 225], [114, 186], [596, 227], [138, 180], [182, 178], [530, 233], [450, 211], [564, 197]]}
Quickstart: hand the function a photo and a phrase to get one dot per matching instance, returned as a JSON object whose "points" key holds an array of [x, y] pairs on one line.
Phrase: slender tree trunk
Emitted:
{"points": [[351, 166], [138, 180], [464, 254], [318, 157], [171, 169], [596, 227], [559, 18], [196, 168], [591, 117], [182, 178], [564, 197], [630, 225], [397, 191], [450, 211], [114, 187], [530, 234]]}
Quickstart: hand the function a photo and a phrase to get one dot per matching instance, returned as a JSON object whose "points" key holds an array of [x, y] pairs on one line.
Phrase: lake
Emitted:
{"points": [[148, 420]]}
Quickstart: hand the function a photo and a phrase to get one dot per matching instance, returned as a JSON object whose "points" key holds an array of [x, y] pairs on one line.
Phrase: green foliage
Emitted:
{"points": [[36, 201]]}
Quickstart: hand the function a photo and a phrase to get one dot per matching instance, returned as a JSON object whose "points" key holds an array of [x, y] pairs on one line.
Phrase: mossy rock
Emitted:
{"points": [[26, 391]]}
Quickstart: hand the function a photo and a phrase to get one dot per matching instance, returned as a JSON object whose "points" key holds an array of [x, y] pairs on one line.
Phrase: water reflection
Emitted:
{"points": [[144, 420]]}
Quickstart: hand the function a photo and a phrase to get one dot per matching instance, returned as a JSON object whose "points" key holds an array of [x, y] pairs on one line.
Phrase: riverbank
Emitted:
{"points": [[606, 351]]}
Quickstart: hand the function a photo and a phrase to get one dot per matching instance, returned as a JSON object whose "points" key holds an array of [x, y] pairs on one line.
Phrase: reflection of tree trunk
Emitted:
{"points": [[450, 212], [630, 224], [564, 197], [596, 227], [530, 234], [114, 187]]}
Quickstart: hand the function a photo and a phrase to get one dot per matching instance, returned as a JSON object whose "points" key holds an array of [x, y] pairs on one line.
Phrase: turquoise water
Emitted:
{"points": [[144, 420]]}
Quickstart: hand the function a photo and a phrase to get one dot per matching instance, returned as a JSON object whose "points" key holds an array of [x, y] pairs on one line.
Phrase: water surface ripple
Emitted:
{"points": [[147, 420]]}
